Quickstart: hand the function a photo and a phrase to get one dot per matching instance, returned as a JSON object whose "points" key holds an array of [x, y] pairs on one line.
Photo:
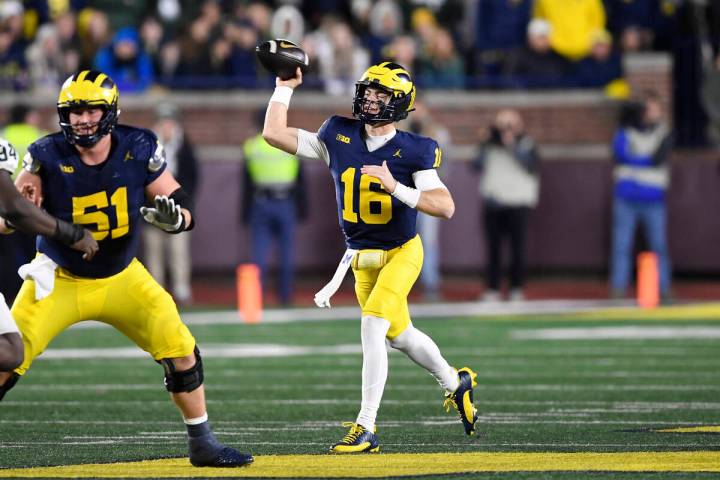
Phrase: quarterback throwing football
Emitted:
{"points": [[382, 177]]}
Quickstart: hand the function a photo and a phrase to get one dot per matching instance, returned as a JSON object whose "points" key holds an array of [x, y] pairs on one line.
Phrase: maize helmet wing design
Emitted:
{"points": [[393, 79], [88, 89]]}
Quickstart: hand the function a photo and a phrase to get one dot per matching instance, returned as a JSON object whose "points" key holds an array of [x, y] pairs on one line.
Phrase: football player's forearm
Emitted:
{"points": [[24, 216], [20, 212], [437, 202], [276, 132]]}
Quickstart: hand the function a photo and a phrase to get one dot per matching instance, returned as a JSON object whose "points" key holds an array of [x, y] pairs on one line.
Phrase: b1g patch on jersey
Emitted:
{"points": [[157, 160], [8, 156]]}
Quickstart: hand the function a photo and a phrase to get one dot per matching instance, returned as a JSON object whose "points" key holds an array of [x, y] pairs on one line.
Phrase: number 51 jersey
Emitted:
{"points": [[369, 216], [105, 198]]}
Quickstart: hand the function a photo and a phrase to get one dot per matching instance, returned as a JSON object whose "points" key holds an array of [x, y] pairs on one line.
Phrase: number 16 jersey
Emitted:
{"points": [[369, 216]]}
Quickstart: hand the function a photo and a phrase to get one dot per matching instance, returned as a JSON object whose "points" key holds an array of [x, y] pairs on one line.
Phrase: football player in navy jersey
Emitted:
{"points": [[100, 174], [382, 177], [15, 211]]}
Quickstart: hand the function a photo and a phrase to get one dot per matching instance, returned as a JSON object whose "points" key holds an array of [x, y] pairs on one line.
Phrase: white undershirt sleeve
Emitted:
{"points": [[311, 147], [427, 180]]}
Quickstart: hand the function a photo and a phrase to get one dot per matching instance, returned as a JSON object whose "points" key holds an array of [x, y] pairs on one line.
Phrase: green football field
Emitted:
{"points": [[560, 397]]}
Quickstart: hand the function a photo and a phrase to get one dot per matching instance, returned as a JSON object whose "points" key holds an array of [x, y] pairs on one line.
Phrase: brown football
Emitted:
{"points": [[282, 57]]}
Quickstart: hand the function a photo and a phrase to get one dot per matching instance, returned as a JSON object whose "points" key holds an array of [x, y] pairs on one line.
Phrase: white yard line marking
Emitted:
{"points": [[634, 332]]}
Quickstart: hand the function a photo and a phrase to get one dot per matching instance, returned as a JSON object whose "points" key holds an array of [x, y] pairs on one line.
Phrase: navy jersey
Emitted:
{"points": [[105, 198], [369, 216]]}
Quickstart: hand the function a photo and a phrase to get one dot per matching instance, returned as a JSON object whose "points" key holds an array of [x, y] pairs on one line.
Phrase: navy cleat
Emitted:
{"points": [[358, 440], [226, 458], [462, 400]]}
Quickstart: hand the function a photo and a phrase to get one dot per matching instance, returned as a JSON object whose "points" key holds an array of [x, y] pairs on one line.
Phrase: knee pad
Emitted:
{"points": [[9, 383], [185, 380]]}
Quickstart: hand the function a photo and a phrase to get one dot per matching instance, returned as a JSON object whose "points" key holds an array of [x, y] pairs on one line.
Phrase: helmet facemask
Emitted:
{"points": [[88, 89], [104, 126], [392, 79]]}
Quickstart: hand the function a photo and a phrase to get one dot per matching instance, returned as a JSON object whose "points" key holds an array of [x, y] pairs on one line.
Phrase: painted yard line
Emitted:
{"points": [[617, 333], [590, 310], [299, 466], [224, 351], [413, 373], [454, 445], [698, 429], [258, 350], [519, 420], [230, 387]]}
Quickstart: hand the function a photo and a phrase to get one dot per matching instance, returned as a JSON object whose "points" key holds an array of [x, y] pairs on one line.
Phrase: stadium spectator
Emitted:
{"points": [[126, 62], [509, 189], [385, 22], [377, 214], [535, 64], [287, 22], [259, 14], [243, 60], [602, 66], [171, 253], [642, 175], [205, 59], [122, 14], [573, 24], [273, 202], [633, 22], [439, 65], [94, 32], [341, 60], [47, 63], [69, 39], [13, 65], [131, 300], [39, 12], [500, 25], [152, 37], [402, 50]]}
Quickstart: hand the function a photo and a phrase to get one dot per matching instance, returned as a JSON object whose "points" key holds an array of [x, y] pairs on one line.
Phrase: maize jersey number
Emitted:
{"points": [[95, 203]]}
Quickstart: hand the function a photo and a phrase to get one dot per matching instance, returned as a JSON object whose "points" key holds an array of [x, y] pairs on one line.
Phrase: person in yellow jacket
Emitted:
{"points": [[573, 24], [273, 202]]}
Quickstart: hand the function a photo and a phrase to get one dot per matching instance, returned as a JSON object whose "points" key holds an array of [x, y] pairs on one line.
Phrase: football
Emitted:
{"points": [[282, 57]]}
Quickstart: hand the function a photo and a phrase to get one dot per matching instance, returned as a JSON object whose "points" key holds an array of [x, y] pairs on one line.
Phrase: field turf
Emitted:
{"points": [[553, 390]]}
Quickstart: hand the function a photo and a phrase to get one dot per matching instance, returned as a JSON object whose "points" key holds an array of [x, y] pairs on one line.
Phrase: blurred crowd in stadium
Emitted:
{"points": [[447, 44]]}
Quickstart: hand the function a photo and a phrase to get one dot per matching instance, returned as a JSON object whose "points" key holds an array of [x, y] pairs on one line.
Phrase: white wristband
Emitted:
{"points": [[282, 95], [408, 195]]}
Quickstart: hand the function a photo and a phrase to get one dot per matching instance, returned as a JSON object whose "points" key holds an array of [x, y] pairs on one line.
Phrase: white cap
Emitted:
{"points": [[539, 27], [10, 8]]}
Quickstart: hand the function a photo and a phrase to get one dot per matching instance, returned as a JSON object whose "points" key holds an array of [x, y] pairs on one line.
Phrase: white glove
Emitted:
{"points": [[166, 215]]}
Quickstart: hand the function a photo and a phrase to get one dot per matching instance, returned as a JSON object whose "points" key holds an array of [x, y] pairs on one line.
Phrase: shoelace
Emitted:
{"points": [[355, 431]]}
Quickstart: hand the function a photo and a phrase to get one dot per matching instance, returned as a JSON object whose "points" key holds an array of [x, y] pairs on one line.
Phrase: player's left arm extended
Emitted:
{"points": [[171, 205], [431, 196]]}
